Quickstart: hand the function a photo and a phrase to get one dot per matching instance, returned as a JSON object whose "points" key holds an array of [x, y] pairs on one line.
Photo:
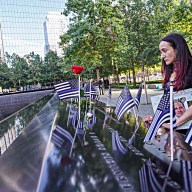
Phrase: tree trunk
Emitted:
{"points": [[117, 74], [113, 69], [143, 78], [98, 75], [133, 72], [134, 76], [127, 77]]}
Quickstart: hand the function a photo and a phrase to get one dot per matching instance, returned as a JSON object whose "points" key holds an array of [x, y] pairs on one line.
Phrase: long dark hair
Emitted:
{"points": [[184, 62]]}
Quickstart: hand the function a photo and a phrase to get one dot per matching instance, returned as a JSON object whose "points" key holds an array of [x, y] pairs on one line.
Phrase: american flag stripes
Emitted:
{"points": [[138, 96], [90, 91], [154, 179], [80, 130], [187, 175], [73, 112], [124, 103], [162, 115], [78, 125], [188, 136], [61, 136], [116, 143], [68, 89], [148, 180]]}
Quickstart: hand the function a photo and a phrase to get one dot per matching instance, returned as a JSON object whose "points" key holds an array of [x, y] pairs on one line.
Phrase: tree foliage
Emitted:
{"points": [[116, 36]]}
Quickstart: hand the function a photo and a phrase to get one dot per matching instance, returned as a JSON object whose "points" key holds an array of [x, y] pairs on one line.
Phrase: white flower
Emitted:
{"points": [[89, 115]]}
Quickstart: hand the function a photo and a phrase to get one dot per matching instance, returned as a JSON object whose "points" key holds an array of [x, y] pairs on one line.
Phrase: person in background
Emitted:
{"points": [[101, 87], [96, 85], [106, 83], [177, 66]]}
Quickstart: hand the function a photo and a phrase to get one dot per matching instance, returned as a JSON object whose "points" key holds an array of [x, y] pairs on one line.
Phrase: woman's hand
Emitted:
{"points": [[166, 125]]}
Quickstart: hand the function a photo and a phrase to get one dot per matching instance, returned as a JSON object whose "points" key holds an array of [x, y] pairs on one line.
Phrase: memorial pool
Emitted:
{"points": [[92, 163]]}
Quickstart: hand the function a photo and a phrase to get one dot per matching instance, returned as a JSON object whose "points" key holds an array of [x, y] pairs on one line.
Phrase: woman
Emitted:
{"points": [[176, 61], [177, 67]]}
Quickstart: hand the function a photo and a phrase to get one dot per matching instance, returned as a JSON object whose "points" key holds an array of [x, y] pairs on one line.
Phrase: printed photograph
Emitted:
{"points": [[182, 101]]}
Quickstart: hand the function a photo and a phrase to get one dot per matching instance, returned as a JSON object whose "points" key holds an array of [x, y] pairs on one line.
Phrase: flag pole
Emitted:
{"points": [[78, 120], [73, 142], [79, 99], [90, 93], [171, 118], [167, 176], [130, 141], [69, 112], [86, 102], [108, 97]]}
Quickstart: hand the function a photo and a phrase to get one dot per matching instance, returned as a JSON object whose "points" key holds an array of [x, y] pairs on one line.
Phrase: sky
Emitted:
{"points": [[22, 24]]}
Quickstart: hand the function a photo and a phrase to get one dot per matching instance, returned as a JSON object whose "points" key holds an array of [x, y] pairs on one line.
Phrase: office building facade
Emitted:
{"points": [[1, 45], [55, 25]]}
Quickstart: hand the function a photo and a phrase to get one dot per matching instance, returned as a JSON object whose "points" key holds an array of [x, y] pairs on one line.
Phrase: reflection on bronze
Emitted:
{"points": [[180, 150]]}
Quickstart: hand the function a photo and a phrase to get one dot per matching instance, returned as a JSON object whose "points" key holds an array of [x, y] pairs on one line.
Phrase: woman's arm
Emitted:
{"points": [[187, 116]]}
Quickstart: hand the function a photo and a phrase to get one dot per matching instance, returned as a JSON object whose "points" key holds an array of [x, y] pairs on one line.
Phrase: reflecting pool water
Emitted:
{"points": [[98, 153], [12, 126]]}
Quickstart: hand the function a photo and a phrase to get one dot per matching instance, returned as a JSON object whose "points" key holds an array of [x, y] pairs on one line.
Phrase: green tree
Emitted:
{"points": [[35, 64], [89, 40], [18, 68], [141, 35], [52, 66], [4, 75]]}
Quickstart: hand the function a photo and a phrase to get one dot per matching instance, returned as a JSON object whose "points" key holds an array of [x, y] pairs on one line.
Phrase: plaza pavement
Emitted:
{"points": [[144, 107]]}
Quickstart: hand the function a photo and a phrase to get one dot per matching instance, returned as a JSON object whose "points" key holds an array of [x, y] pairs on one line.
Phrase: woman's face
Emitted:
{"points": [[168, 54]]}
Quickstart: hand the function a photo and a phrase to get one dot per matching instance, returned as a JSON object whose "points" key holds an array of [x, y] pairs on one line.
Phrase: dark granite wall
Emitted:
{"points": [[11, 103], [22, 162]]}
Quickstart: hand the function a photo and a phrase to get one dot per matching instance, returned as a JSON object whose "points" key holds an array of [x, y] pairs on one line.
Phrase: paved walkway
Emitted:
{"points": [[144, 108]]}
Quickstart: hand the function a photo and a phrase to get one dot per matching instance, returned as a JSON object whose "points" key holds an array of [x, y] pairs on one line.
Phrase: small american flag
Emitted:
{"points": [[162, 115], [138, 96], [68, 89], [117, 146], [61, 136], [188, 136], [90, 90], [78, 125], [187, 174], [80, 130], [72, 114], [124, 103], [148, 179]]}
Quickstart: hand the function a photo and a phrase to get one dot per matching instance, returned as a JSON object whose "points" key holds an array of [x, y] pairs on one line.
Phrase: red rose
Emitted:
{"points": [[77, 69]]}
